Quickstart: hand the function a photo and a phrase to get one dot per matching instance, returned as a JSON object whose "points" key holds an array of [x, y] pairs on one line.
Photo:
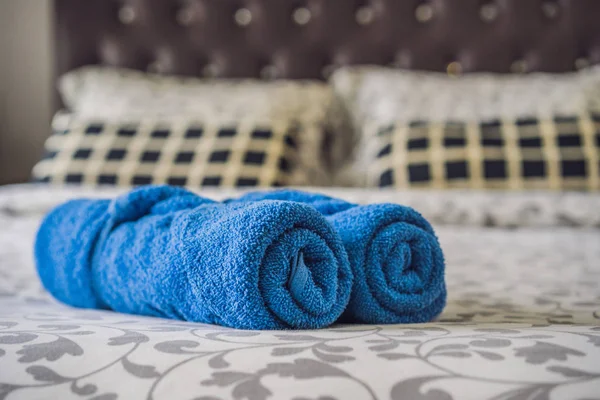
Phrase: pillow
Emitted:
{"points": [[389, 94], [181, 152], [395, 112], [526, 153], [114, 94]]}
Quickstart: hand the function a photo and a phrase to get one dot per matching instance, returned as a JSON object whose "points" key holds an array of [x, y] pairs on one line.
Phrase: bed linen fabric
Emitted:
{"points": [[522, 321]]}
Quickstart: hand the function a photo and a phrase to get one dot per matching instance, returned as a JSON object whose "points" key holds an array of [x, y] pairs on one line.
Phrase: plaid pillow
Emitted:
{"points": [[527, 153], [183, 153]]}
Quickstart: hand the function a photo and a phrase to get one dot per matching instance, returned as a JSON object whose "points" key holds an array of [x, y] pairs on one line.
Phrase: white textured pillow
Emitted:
{"points": [[113, 94], [393, 95]]}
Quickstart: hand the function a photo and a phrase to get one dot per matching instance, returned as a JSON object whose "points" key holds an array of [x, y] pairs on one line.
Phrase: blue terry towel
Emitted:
{"points": [[164, 251], [395, 257]]}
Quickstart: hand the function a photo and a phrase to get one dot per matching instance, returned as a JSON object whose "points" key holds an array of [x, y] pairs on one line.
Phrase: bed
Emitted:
{"points": [[522, 268], [522, 319]]}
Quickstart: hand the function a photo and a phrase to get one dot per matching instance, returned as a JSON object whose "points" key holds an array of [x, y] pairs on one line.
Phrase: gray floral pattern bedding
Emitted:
{"points": [[522, 322]]}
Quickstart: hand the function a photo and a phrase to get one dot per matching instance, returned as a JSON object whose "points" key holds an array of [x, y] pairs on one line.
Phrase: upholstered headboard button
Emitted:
{"points": [[126, 14], [301, 16], [327, 70], [243, 17], [365, 15], [210, 71], [582, 62], [424, 12], [185, 16], [269, 72], [489, 11], [550, 9], [454, 68], [402, 59], [518, 66]]}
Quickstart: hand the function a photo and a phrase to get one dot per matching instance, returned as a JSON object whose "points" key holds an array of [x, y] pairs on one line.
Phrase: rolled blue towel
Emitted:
{"points": [[164, 251], [395, 257]]}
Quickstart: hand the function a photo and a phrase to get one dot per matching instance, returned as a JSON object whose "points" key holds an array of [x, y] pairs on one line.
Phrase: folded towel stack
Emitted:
{"points": [[268, 260], [396, 259], [164, 251]]}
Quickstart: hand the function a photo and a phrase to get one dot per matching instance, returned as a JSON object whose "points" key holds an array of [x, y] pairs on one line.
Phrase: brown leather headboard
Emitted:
{"points": [[309, 38]]}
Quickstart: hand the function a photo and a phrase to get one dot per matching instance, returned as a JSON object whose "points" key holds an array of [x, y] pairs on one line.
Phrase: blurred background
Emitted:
{"points": [[25, 85], [511, 44]]}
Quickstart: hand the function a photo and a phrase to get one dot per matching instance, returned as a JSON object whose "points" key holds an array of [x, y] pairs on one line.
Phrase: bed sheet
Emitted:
{"points": [[522, 321]]}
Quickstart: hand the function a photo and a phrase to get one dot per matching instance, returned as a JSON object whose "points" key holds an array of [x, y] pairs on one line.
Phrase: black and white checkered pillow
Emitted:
{"points": [[562, 153], [183, 153]]}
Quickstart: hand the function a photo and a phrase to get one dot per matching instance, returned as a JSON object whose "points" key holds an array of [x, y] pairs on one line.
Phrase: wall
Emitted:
{"points": [[25, 85]]}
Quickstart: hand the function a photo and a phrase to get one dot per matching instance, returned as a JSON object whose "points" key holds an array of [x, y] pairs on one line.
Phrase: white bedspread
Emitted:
{"points": [[522, 321]]}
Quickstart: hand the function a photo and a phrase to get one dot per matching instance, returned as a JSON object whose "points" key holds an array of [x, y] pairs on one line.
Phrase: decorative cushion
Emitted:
{"points": [[390, 94], [183, 153], [560, 153], [424, 129], [114, 94]]}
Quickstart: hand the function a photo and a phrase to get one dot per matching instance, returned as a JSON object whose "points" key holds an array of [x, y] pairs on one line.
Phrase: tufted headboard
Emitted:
{"points": [[310, 38]]}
